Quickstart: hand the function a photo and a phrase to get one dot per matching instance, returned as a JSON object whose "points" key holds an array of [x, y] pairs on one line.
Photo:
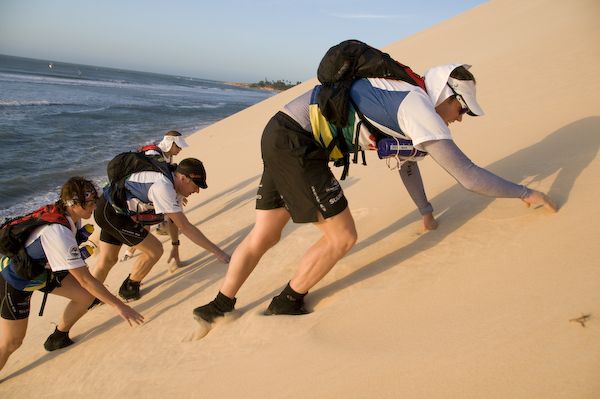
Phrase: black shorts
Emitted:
{"points": [[296, 173], [15, 304], [117, 229]]}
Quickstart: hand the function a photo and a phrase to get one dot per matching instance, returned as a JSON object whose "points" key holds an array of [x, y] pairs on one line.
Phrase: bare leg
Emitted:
{"points": [[264, 235], [152, 250], [12, 333], [131, 250], [109, 255], [77, 307], [339, 235], [80, 300]]}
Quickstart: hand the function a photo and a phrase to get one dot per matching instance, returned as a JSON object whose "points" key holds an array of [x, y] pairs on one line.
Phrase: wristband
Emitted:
{"points": [[175, 243]]}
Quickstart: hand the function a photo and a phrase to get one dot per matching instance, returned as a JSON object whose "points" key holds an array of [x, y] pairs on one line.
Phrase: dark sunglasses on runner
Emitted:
{"points": [[200, 182], [464, 108]]}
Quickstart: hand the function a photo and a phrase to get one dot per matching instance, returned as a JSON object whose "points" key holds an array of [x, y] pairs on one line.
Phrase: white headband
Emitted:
{"points": [[167, 142], [437, 80]]}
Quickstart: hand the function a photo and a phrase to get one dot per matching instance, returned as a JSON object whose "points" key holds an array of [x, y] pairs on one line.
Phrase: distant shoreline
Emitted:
{"points": [[252, 86], [267, 85]]}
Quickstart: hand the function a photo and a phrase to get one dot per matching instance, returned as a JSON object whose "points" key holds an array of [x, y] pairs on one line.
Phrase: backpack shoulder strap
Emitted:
{"points": [[50, 214], [163, 167]]}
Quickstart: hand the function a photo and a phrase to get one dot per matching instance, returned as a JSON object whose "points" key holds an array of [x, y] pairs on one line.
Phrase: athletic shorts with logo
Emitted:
{"points": [[15, 304], [296, 173], [117, 229]]}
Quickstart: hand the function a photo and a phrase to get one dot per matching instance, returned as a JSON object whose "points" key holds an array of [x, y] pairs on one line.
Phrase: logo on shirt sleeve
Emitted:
{"points": [[74, 252]]}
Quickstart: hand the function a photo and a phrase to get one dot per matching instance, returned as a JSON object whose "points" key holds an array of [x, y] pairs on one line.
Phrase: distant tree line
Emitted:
{"points": [[275, 85]]}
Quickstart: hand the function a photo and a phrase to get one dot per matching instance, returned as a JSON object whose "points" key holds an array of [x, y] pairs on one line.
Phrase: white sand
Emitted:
{"points": [[479, 308]]}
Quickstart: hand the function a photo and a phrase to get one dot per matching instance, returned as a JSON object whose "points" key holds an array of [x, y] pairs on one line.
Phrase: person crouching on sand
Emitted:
{"points": [[298, 184], [66, 275], [162, 196]]}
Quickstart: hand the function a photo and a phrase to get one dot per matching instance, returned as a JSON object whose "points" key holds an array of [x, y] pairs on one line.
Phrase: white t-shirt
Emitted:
{"points": [[397, 107], [58, 244], [153, 189]]}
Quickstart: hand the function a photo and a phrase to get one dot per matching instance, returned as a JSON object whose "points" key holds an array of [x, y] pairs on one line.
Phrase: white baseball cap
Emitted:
{"points": [[440, 86]]}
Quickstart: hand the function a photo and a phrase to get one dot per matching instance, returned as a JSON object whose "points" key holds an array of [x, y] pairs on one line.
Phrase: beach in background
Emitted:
{"points": [[59, 120], [486, 306]]}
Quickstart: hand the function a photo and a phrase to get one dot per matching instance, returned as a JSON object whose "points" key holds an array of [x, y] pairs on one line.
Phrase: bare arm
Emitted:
{"points": [[194, 234], [174, 234], [97, 289]]}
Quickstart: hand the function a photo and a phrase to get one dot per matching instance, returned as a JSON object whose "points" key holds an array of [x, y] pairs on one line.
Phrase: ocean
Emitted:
{"points": [[59, 120]]}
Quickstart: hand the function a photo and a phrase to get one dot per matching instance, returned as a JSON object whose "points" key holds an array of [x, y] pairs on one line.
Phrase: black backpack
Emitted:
{"points": [[351, 60], [14, 234], [127, 163], [340, 66]]}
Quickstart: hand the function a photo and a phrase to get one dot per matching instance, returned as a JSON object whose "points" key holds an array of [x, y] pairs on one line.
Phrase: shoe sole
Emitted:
{"points": [[129, 299], [52, 349], [300, 312]]}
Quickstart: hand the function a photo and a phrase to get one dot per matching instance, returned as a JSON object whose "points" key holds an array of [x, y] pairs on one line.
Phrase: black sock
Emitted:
{"points": [[224, 303], [289, 293], [132, 282], [57, 332]]}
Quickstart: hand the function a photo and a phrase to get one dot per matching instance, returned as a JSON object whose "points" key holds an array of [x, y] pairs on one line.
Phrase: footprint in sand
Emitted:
{"points": [[498, 211], [202, 329], [360, 213]]}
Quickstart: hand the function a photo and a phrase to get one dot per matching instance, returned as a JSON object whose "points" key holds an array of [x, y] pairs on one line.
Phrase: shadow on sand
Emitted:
{"points": [[566, 152]]}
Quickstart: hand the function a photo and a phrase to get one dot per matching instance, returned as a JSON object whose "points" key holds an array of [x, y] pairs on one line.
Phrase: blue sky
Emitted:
{"points": [[227, 40]]}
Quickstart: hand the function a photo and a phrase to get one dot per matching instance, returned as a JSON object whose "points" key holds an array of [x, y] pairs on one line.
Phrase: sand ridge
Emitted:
{"points": [[480, 307]]}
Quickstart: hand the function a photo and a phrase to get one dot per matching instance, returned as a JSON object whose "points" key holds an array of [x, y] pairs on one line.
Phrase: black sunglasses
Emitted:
{"points": [[464, 108], [198, 181]]}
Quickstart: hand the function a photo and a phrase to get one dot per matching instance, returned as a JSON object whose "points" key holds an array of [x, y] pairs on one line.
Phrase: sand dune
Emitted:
{"points": [[480, 308]]}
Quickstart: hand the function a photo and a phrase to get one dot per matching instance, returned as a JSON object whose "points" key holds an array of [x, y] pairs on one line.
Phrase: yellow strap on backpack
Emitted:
{"points": [[322, 131]]}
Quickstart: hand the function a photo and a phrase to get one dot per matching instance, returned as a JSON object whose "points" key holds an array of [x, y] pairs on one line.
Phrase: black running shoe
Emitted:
{"points": [[208, 312], [130, 290], [57, 340], [215, 308], [286, 304]]}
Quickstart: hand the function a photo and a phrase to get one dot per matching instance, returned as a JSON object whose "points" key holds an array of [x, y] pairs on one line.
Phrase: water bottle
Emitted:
{"points": [[394, 147], [84, 233], [86, 251]]}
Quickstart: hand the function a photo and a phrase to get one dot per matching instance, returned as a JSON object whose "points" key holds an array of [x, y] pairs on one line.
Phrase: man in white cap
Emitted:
{"points": [[298, 184]]}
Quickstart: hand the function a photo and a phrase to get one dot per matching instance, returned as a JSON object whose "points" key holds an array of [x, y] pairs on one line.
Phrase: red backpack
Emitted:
{"points": [[149, 147], [14, 234]]}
